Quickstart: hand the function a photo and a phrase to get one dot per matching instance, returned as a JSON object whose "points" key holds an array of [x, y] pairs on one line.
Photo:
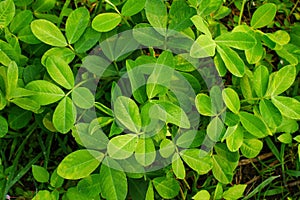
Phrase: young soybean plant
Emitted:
{"points": [[157, 95]]}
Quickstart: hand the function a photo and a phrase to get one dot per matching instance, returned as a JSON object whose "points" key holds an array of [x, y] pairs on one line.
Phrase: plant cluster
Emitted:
{"points": [[149, 99]]}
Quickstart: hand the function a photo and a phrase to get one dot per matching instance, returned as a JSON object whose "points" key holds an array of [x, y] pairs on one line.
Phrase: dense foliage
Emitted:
{"points": [[149, 99]]}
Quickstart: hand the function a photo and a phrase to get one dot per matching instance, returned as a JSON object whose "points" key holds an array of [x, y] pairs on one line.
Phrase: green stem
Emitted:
{"points": [[78, 85], [242, 11]]}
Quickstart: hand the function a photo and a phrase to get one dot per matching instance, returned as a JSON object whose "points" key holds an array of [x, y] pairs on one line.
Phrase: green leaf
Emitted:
{"points": [[179, 15], [204, 105], [203, 47], [263, 16], [232, 61], [285, 138], [83, 97], [202, 195], [105, 22], [261, 80], [113, 182], [270, 114], [235, 192], [26, 35], [207, 7], [89, 38], [79, 164], [282, 80], [220, 65], [131, 7], [40, 174], [178, 166], [255, 54], [20, 21], [235, 139], [238, 40], [64, 115], [167, 148], [43, 5], [251, 147], [3, 127], [289, 107], [45, 92], [127, 113], [196, 159], [122, 146], [12, 79], [189, 139], [167, 188], [64, 53], [231, 100], [215, 129], [48, 33], [254, 125], [90, 186], [145, 152], [156, 13], [222, 169], [55, 180], [76, 24], [150, 192], [60, 71], [7, 12]]}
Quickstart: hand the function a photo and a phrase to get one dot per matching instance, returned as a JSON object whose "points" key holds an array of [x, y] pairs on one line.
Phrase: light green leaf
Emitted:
{"points": [[48, 33], [254, 125], [127, 113], [178, 166], [263, 16], [232, 61], [79, 164], [215, 129], [202, 195], [122, 146], [255, 54], [145, 152], [270, 114], [60, 71], [289, 107], [64, 53], [55, 180], [285, 138], [131, 7], [231, 100], [203, 47], [27, 104], [12, 79], [147, 35], [251, 147], [238, 40], [150, 192], [170, 113], [280, 37], [105, 22], [64, 115], [204, 105], [261, 80], [40, 174], [3, 126], [200, 24], [235, 192], [196, 159], [113, 182], [189, 139], [43, 194], [76, 24], [282, 80], [167, 188], [7, 12], [235, 139], [89, 38], [156, 13], [43, 5], [45, 92], [167, 148], [83, 97]]}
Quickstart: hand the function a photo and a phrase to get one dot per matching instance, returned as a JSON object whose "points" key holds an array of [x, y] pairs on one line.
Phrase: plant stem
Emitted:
{"points": [[242, 11]]}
